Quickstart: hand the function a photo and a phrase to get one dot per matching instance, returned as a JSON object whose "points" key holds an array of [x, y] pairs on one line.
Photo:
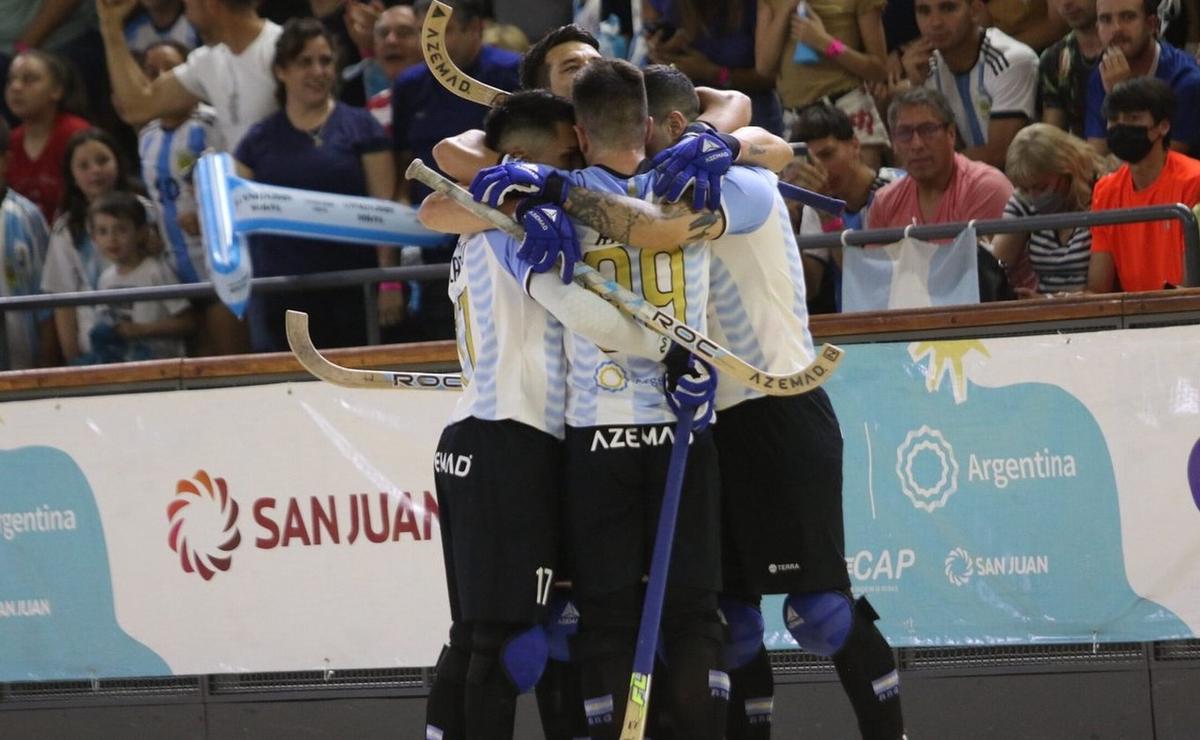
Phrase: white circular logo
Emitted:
{"points": [[772, 568], [959, 567], [923, 443]]}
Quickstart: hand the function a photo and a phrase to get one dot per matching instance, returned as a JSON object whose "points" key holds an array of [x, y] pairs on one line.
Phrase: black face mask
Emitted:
{"points": [[1129, 143]]}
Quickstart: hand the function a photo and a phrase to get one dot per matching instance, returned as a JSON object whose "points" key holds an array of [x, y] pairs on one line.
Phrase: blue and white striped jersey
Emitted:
{"points": [[23, 243], [756, 305], [1002, 84], [510, 348], [167, 160], [617, 388]]}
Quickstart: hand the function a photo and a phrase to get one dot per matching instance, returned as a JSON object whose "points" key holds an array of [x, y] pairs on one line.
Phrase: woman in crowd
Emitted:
{"points": [[314, 143], [92, 167], [1053, 172], [43, 93]]}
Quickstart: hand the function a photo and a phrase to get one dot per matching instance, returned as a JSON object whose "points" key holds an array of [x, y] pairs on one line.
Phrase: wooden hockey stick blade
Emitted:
{"points": [[772, 384], [313, 361], [445, 71]]}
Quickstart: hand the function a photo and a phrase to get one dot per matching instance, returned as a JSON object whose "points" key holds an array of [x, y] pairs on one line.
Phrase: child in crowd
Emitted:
{"points": [[92, 167], [23, 237], [43, 92], [143, 330], [169, 148]]}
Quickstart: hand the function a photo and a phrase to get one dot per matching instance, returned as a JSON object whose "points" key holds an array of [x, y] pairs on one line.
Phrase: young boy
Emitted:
{"points": [[144, 330]]}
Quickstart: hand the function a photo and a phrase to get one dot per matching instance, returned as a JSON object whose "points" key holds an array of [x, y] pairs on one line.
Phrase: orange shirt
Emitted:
{"points": [[1150, 253]]}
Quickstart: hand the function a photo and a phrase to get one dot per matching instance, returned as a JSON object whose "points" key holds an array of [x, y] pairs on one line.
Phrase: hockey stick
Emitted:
{"points": [[433, 32], [312, 360], [637, 706], [433, 47], [802, 381]]}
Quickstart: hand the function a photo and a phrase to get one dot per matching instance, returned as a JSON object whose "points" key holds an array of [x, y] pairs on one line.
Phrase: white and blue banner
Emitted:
{"points": [[911, 274], [1002, 491]]}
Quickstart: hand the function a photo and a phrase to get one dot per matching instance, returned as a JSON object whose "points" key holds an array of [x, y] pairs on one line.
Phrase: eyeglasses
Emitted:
{"points": [[926, 131]]}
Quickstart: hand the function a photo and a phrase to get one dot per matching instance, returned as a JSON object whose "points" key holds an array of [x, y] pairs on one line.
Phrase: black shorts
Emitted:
{"points": [[781, 485], [499, 487], [615, 481]]}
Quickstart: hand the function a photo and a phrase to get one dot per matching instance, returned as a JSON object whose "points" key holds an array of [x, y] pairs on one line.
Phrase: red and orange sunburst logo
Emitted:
{"points": [[203, 527]]}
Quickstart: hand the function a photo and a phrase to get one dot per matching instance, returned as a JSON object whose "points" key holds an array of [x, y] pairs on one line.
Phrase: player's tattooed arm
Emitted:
{"points": [[761, 148], [641, 224]]}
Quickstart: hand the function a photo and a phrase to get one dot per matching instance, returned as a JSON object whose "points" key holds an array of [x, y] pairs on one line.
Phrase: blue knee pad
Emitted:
{"points": [[524, 657], [562, 622], [745, 625], [819, 621]]}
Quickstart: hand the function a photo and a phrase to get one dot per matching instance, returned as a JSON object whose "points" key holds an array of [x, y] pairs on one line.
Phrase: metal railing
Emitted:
{"points": [[1075, 219], [851, 237], [281, 284]]}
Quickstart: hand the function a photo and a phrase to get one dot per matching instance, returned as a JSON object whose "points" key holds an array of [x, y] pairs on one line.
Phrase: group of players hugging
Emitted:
{"points": [[566, 418]]}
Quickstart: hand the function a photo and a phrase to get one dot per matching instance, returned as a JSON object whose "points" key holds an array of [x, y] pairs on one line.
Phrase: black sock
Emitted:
{"points": [[446, 707], [867, 669], [751, 701], [560, 702]]}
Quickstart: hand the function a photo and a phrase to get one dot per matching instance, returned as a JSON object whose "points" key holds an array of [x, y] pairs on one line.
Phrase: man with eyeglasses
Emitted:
{"points": [[942, 186]]}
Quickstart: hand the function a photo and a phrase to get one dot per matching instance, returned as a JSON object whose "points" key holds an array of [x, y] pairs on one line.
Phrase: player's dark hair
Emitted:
{"points": [[610, 102], [668, 89], [534, 72], [522, 113], [820, 120]]}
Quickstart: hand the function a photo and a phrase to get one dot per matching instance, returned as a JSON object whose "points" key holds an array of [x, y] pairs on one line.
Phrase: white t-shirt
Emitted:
{"points": [[72, 268], [510, 348], [151, 272], [240, 87], [1002, 83]]}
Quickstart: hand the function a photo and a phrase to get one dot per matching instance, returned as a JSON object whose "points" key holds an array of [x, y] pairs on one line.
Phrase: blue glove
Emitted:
{"points": [[691, 387], [548, 233], [698, 160], [493, 184]]}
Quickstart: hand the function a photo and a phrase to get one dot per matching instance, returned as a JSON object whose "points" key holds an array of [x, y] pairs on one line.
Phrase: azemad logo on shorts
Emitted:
{"points": [[205, 529], [961, 567]]}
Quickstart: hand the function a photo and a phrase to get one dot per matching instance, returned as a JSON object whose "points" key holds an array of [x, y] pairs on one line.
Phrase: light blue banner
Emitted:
{"points": [[979, 515], [57, 619]]}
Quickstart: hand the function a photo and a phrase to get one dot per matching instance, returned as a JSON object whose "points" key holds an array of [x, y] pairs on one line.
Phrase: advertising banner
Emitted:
{"points": [[1002, 491]]}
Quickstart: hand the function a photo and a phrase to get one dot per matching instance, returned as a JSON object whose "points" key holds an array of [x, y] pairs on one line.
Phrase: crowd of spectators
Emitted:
{"points": [[912, 111]]}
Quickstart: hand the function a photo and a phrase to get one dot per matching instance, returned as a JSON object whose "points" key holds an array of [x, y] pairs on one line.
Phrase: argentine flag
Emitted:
{"points": [[911, 274]]}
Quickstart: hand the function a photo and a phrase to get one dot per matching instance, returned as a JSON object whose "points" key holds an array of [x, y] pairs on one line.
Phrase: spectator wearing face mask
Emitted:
{"points": [[1146, 255], [1053, 172]]}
